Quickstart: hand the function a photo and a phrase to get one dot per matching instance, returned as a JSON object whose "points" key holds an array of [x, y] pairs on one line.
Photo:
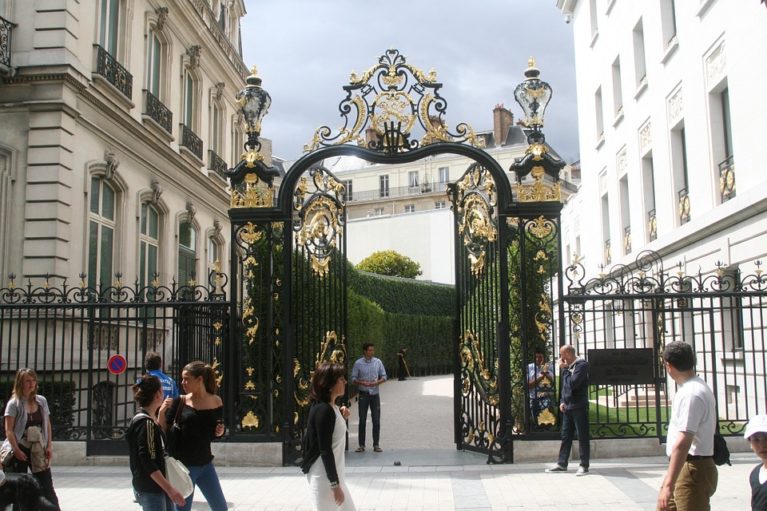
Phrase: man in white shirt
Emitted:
{"points": [[691, 478]]}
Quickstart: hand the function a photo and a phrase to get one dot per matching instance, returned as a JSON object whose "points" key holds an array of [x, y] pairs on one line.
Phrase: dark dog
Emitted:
{"points": [[24, 492]]}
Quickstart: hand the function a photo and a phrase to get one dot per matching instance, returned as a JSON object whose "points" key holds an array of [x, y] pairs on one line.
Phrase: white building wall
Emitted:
{"points": [[715, 44]]}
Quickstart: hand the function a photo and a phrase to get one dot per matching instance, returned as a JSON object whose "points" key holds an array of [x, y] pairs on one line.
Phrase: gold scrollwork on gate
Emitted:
{"points": [[332, 349], [319, 225], [252, 192], [539, 190], [389, 98], [475, 207], [473, 361]]}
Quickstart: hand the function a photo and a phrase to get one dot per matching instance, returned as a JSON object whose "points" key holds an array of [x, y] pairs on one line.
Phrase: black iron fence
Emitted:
{"points": [[722, 314], [70, 334]]}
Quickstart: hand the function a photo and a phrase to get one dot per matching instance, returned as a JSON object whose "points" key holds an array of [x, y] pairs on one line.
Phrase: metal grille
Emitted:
{"points": [[108, 67], [6, 30], [191, 141], [156, 110]]}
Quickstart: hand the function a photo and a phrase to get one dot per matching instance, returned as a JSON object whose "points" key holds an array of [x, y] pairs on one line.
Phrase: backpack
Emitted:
{"points": [[721, 452]]}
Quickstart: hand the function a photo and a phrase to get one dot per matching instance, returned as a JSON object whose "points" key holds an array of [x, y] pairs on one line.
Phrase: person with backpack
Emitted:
{"points": [[691, 478], [147, 450]]}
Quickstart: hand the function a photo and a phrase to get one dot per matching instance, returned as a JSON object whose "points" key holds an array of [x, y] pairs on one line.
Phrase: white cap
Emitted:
{"points": [[757, 424]]}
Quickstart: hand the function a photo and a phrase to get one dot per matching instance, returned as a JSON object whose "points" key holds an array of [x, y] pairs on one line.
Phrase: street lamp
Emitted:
{"points": [[254, 103], [533, 95]]}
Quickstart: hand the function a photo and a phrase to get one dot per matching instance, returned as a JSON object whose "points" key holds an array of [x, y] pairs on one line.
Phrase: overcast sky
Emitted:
{"points": [[306, 49]]}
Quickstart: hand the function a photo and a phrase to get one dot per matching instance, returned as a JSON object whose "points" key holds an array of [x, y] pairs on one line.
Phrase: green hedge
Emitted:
{"points": [[427, 338], [61, 401], [405, 296]]}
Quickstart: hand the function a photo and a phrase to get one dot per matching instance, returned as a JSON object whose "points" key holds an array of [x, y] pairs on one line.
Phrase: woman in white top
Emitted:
{"points": [[325, 440]]}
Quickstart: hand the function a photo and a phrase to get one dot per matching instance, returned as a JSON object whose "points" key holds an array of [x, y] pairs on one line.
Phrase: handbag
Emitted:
{"points": [[6, 454], [178, 476], [174, 431]]}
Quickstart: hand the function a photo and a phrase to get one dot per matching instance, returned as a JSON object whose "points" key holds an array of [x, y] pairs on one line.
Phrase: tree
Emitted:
{"points": [[389, 262]]}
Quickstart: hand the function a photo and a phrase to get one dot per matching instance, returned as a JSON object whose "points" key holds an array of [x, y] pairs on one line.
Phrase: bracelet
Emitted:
{"points": [[334, 485]]}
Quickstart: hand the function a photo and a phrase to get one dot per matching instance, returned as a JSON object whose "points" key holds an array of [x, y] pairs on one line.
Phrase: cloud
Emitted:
{"points": [[306, 49]]}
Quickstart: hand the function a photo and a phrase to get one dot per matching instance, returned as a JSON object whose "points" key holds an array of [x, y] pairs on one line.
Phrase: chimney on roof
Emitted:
{"points": [[371, 135], [503, 119]]}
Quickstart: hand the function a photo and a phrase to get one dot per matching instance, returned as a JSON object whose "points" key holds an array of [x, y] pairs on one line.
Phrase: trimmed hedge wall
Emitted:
{"points": [[427, 337], [406, 296]]}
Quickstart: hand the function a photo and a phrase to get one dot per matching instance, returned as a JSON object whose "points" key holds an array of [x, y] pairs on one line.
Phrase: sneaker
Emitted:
{"points": [[556, 468], [377, 449], [582, 471], [360, 449]]}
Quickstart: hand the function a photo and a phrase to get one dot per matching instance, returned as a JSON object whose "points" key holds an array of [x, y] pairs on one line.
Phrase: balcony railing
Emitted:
{"points": [[400, 191], [627, 239], [6, 28], [727, 179], [652, 225], [217, 164], [108, 67], [191, 141], [160, 113], [684, 205]]}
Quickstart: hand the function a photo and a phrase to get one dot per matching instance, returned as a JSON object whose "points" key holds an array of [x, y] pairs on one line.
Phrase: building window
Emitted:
{"points": [[216, 129], [214, 255], [721, 141], [378, 212], [149, 243], [648, 190], [238, 142], [109, 22], [640, 67], [600, 132], [593, 13], [383, 186], [189, 103], [348, 190], [444, 175], [101, 232], [607, 256], [154, 65], [680, 175], [412, 179], [732, 312], [440, 204], [668, 21], [187, 257], [617, 89], [625, 213], [409, 208]]}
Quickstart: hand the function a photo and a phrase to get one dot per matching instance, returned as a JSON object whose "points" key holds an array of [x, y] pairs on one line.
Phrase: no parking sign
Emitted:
{"points": [[117, 364]]}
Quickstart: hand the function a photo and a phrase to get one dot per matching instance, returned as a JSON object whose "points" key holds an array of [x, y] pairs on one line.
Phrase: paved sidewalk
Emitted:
{"points": [[417, 432]]}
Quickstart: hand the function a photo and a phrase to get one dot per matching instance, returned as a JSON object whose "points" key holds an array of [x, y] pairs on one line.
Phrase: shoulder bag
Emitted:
{"points": [[178, 476], [174, 431]]}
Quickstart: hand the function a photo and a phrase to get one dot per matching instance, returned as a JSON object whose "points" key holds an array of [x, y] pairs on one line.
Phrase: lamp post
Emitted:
{"points": [[254, 103]]}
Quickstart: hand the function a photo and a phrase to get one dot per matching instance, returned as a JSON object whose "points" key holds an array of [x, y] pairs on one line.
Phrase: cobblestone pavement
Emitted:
{"points": [[417, 432]]}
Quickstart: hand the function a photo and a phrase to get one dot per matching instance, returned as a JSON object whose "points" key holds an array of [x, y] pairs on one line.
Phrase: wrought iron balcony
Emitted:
{"points": [[727, 179], [160, 113], [608, 256], [6, 28], [684, 205], [627, 239], [217, 164], [652, 225], [108, 67], [191, 141], [399, 191]]}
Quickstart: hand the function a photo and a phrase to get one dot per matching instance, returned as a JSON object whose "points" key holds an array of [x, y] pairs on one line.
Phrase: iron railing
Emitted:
{"points": [[108, 67], [6, 30], [722, 314], [727, 179], [217, 164], [399, 191], [157, 111], [68, 335], [191, 141], [652, 225], [684, 205]]}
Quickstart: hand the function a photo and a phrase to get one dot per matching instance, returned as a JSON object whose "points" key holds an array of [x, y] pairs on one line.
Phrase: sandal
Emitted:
{"points": [[377, 449], [360, 449]]}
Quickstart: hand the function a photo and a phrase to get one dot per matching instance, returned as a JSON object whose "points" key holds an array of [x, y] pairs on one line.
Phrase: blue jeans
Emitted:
{"points": [[374, 403], [206, 478], [151, 501], [572, 421]]}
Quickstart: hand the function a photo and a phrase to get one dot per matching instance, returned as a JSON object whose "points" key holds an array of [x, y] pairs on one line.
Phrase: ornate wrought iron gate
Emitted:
{"points": [[289, 282]]}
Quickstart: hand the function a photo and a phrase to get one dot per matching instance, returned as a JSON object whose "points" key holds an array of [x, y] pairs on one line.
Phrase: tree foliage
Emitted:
{"points": [[392, 263]]}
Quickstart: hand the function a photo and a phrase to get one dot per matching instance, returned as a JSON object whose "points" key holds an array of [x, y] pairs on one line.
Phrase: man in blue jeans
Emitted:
{"points": [[368, 373], [574, 405]]}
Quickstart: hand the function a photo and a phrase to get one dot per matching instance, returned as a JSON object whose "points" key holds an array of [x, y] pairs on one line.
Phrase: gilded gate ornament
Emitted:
{"points": [[475, 206], [391, 99], [320, 218], [332, 349], [473, 361]]}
